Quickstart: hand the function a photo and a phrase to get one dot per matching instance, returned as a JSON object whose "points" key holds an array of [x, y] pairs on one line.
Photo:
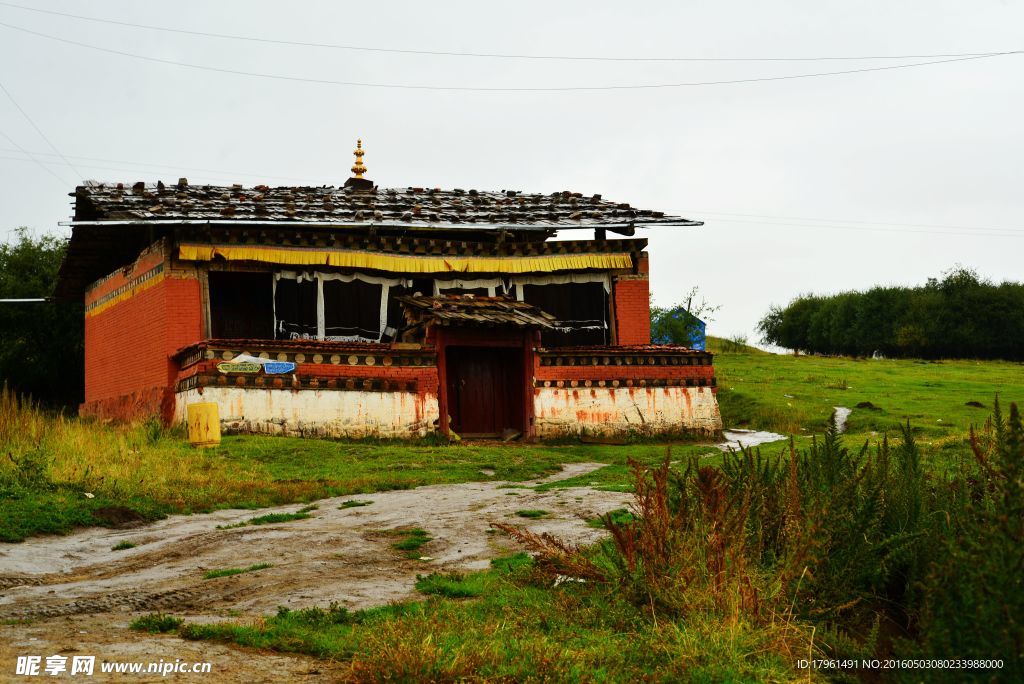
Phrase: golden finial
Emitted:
{"points": [[358, 169]]}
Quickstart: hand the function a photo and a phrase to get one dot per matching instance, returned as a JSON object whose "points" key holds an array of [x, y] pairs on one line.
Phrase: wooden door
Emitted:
{"points": [[485, 390]]}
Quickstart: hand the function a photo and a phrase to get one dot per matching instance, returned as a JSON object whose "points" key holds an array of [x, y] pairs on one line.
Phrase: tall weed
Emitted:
{"points": [[877, 553]]}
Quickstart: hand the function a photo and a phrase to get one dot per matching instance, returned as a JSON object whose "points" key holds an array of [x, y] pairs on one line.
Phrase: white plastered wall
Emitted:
{"points": [[622, 410], [317, 413]]}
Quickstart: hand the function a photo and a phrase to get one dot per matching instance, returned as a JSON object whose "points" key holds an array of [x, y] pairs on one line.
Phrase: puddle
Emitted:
{"points": [[734, 439], [842, 413]]}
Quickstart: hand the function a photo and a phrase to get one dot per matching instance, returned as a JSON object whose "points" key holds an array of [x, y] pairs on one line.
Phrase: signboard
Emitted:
{"points": [[244, 367], [278, 367]]}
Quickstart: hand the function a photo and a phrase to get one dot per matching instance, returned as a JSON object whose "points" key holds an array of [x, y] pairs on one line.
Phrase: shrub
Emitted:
{"points": [[865, 545], [228, 572], [157, 623]]}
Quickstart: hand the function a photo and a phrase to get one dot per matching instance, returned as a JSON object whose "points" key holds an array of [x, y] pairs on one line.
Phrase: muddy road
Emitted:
{"points": [[74, 595]]}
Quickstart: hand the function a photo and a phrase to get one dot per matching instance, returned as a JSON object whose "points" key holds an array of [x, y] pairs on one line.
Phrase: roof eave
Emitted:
{"points": [[386, 224]]}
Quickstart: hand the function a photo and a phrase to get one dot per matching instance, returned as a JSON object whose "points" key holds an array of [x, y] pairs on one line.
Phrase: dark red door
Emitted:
{"points": [[485, 390]]}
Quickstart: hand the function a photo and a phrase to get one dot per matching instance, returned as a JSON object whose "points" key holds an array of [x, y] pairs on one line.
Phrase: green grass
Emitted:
{"points": [[620, 516], [271, 518], [156, 623], [122, 546], [500, 625], [532, 513], [411, 541], [354, 503], [795, 395], [227, 572], [452, 585]]}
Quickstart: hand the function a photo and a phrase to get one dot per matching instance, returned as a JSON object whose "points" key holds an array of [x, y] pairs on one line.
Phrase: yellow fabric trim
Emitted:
{"points": [[405, 264], [141, 287]]}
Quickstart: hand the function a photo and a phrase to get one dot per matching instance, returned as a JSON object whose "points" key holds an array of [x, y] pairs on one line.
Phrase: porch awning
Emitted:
{"points": [[466, 310], [404, 264]]}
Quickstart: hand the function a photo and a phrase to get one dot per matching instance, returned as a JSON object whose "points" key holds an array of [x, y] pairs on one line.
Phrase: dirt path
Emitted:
{"points": [[79, 596]]}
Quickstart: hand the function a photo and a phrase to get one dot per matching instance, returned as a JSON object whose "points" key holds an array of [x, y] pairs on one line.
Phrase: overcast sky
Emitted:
{"points": [[883, 157]]}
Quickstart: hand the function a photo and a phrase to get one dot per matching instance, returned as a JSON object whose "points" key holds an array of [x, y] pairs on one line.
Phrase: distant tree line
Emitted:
{"points": [[41, 343], [957, 316]]}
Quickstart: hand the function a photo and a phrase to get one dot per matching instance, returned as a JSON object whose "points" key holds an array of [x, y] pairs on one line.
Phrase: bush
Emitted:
{"points": [[875, 553], [156, 623], [41, 343]]}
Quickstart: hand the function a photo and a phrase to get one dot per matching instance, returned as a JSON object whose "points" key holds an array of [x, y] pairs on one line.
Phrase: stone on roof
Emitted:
{"points": [[412, 207], [465, 310]]}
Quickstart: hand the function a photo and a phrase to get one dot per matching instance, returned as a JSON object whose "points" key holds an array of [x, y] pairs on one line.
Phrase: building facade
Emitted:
{"points": [[358, 311]]}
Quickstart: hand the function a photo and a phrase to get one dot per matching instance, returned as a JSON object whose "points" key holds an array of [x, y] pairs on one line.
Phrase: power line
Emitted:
{"points": [[403, 86], [32, 157], [870, 228], [142, 167], [38, 130], [487, 55], [126, 171], [867, 223]]}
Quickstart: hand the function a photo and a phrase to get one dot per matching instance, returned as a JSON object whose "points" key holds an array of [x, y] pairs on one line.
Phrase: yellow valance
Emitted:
{"points": [[404, 264]]}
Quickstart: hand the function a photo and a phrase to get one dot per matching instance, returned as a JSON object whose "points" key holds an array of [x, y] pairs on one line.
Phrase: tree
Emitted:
{"points": [[681, 323], [960, 315], [41, 344]]}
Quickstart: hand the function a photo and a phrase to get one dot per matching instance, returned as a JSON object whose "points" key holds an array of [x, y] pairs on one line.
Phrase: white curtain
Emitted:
{"points": [[517, 282], [492, 285], [385, 286]]}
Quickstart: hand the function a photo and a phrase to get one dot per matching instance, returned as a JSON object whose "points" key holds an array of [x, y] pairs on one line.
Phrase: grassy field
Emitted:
{"points": [[887, 553], [504, 625], [60, 473]]}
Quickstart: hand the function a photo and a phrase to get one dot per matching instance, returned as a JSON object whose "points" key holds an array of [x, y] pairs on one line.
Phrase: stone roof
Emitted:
{"points": [[400, 207], [476, 311]]}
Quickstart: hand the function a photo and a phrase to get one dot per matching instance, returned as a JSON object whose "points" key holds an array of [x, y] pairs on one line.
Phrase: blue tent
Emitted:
{"points": [[700, 338]]}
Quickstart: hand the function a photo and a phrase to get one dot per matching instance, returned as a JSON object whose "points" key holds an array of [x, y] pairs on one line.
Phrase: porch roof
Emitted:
{"points": [[468, 310]]}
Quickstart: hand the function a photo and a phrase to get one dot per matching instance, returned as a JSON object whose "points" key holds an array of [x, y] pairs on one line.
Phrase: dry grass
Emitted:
{"points": [[137, 459]]}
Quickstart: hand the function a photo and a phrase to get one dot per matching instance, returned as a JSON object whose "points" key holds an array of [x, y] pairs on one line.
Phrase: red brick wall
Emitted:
{"points": [[632, 310], [623, 372], [128, 370]]}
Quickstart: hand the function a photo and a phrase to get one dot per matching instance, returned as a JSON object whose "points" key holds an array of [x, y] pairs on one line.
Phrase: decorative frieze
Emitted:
{"points": [[296, 382], [380, 355], [610, 357], [576, 383]]}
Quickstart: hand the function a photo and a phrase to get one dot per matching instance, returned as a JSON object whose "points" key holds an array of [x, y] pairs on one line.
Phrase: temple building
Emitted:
{"points": [[356, 310]]}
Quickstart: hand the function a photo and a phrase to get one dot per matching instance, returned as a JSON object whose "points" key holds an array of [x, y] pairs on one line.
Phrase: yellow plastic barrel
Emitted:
{"points": [[203, 424]]}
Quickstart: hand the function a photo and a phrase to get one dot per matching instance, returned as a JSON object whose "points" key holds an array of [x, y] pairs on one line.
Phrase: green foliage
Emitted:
{"points": [[41, 344], [512, 563], [875, 552], [228, 572], [411, 541], [620, 516], [271, 518], [156, 623], [680, 323], [452, 585], [354, 503], [122, 546], [516, 630], [959, 316], [972, 597], [532, 513], [737, 344]]}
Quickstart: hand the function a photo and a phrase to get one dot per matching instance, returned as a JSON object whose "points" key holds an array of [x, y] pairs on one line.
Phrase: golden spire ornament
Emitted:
{"points": [[358, 169]]}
